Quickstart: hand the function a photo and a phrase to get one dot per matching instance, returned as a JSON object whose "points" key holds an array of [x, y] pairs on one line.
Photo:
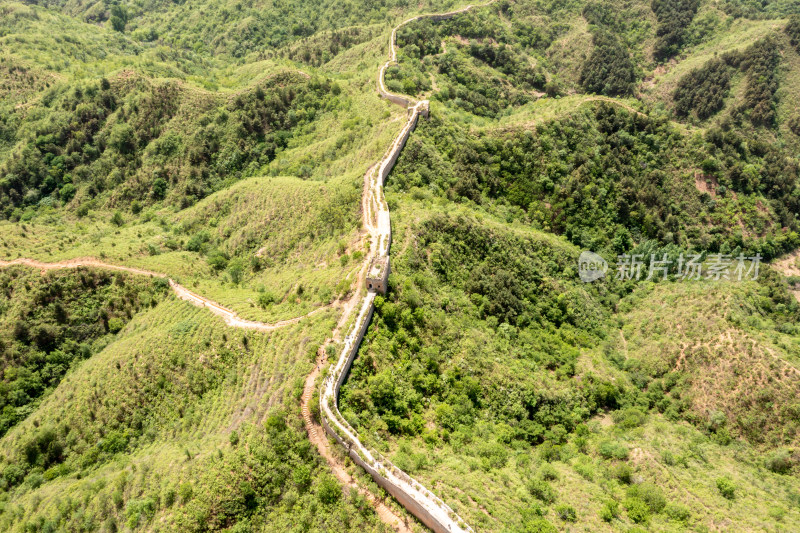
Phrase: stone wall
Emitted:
{"points": [[419, 501]]}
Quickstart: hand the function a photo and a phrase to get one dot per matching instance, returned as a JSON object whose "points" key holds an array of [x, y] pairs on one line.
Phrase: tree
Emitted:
{"points": [[159, 189], [328, 491], [726, 488], [235, 270], [119, 18], [610, 69]]}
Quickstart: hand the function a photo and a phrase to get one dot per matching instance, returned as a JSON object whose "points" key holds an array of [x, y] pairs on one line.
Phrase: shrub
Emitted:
{"points": [[236, 270], [780, 462], [612, 450], [169, 497], [117, 219], [115, 325], [185, 492], [622, 472], [139, 511], [548, 473], [197, 242], [650, 494], [265, 299], [638, 511], [726, 488], [159, 189], [329, 490], [609, 511], [539, 525], [541, 490], [217, 260], [566, 513], [629, 418], [677, 512]]}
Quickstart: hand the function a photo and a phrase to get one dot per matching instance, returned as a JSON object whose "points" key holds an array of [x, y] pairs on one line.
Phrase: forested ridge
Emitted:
{"points": [[131, 141]]}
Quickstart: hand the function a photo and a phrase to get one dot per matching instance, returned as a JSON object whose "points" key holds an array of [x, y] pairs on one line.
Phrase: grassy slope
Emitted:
{"points": [[173, 389], [266, 211]]}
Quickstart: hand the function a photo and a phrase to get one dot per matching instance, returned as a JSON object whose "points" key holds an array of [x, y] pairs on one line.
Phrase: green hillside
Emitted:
{"points": [[224, 145]]}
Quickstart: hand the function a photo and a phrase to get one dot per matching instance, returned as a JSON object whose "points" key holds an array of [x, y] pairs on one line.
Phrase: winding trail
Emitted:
{"points": [[229, 316]]}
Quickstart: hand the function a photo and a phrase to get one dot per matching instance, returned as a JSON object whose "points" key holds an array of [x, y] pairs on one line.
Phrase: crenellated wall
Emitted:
{"points": [[419, 501]]}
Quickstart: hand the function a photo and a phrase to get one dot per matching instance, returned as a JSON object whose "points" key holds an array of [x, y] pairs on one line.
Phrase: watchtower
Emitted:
{"points": [[378, 274], [425, 108]]}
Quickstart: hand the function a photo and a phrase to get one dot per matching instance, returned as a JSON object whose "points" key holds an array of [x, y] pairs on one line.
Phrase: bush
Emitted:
{"points": [[726, 488], [638, 511], [612, 450], [539, 525], [622, 471], [566, 513], [265, 299], [548, 473], [329, 490], [541, 490], [609, 511], [780, 462], [236, 270], [198, 241], [677, 512], [115, 325], [650, 494], [629, 418], [217, 260]]}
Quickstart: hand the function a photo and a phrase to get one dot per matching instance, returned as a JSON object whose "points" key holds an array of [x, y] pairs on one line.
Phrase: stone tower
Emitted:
{"points": [[378, 274]]}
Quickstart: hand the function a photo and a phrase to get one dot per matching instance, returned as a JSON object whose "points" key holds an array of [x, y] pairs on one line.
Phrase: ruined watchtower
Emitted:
{"points": [[425, 108], [378, 274]]}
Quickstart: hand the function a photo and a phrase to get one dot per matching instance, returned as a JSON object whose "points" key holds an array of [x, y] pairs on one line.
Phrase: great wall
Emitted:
{"points": [[412, 495], [418, 500]]}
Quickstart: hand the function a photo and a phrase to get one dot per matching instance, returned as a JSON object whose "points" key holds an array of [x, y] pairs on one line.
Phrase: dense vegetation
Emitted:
{"points": [[674, 17], [131, 141], [613, 168], [760, 61], [703, 90], [180, 137], [609, 70], [793, 31], [228, 29], [52, 322]]}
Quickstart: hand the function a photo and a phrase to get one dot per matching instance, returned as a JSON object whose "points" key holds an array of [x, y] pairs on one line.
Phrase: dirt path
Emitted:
{"points": [[318, 438], [229, 316]]}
